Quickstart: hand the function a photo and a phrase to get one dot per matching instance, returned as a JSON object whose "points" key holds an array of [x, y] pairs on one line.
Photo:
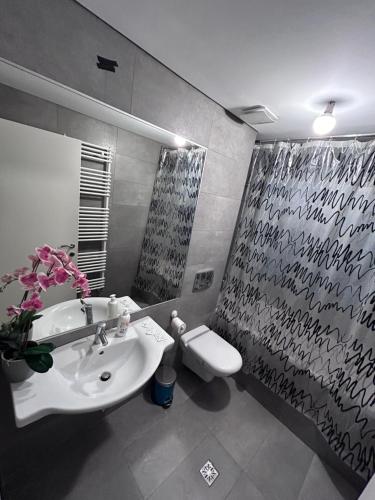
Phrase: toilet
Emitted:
{"points": [[208, 355]]}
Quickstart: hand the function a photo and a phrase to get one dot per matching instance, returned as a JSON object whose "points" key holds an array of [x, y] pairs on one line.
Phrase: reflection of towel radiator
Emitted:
{"points": [[95, 190]]}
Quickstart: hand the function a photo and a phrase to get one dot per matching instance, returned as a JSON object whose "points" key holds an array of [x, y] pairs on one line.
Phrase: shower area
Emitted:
{"points": [[298, 297], [165, 246]]}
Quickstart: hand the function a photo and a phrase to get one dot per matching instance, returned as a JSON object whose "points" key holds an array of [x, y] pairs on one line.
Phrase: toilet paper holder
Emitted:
{"points": [[178, 326]]}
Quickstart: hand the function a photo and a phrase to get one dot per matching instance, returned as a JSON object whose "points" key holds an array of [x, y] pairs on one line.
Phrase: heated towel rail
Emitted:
{"points": [[95, 191]]}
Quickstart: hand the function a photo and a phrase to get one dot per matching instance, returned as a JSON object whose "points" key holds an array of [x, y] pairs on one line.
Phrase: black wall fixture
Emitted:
{"points": [[106, 64]]}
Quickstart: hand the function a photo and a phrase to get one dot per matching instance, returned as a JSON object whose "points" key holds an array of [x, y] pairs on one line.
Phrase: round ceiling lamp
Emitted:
{"points": [[326, 122]]}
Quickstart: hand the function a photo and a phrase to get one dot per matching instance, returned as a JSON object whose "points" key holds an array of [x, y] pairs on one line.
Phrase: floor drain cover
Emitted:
{"points": [[209, 473]]}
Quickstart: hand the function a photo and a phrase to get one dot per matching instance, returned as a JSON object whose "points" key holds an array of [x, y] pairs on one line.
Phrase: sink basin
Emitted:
{"points": [[68, 315], [87, 377]]}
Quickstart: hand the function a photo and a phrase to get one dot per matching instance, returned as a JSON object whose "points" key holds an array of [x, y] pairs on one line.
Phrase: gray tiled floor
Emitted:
{"points": [[140, 451]]}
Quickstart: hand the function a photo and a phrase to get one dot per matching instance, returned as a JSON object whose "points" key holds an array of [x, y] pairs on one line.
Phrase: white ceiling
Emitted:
{"points": [[291, 55]]}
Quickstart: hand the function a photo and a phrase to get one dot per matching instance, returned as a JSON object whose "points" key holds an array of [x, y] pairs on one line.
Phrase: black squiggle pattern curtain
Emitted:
{"points": [[299, 294], [170, 221]]}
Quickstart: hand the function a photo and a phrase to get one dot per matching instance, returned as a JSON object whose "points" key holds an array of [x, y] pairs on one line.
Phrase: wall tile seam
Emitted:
{"points": [[242, 158], [143, 52], [211, 195], [188, 89], [218, 195], [129, 181], [209, 132], [240, 197], [136, 50], [251, 139], [212, 231], [56, 106], [234, 164], [134, 157], [207, 264], [60, 131]]}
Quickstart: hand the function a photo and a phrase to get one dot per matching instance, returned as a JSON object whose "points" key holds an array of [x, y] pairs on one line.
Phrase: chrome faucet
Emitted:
{"points": [[100, 335], [87, 309]]}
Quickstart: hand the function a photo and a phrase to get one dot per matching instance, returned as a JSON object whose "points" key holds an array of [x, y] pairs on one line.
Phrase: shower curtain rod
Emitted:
{"points": [[330, 138]]}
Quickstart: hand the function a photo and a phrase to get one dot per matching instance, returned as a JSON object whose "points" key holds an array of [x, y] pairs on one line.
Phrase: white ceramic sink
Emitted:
{"points": [[68, 315], [74, 384]]}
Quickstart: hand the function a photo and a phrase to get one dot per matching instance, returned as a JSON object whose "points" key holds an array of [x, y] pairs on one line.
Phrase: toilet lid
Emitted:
{"points": [[216, 352]]}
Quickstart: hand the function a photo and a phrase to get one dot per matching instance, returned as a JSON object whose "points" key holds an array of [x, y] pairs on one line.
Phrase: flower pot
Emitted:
{"points": [[15, 370]]}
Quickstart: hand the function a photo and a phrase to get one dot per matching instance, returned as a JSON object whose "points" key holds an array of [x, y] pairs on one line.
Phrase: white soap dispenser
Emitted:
{"points": [[123, 323], [112, 307]]}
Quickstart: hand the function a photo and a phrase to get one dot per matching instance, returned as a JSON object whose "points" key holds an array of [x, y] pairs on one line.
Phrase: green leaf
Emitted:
{"points": [[35, 350], [10, 336], [39, 363]]}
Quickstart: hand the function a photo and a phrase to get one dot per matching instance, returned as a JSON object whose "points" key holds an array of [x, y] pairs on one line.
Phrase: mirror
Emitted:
{"points": [[127, 207]]}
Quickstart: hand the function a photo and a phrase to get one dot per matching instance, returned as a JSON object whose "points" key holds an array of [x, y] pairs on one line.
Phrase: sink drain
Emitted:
{"points": [[105, 376]]}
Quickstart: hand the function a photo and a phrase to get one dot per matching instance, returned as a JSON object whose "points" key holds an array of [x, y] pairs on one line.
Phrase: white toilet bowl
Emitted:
{"points": [[208, 355]]}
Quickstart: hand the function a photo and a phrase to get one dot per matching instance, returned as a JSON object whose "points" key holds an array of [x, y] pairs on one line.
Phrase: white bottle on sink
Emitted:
{"points": [[112, 307], [123, 323]]}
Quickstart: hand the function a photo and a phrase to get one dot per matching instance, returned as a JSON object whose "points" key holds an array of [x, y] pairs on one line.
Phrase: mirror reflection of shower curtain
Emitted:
{"points": [[299, 293], [170, 221]]}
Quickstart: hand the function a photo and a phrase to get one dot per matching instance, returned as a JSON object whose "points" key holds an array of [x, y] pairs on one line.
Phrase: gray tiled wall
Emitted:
{"points": [[135, 166], [61, 40]]}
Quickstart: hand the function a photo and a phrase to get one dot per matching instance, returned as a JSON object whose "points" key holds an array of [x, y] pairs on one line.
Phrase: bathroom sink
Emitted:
{"points": [[68, 315], [87, 377]]}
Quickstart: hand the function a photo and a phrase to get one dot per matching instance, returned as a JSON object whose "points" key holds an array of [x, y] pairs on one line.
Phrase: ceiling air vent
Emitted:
{"points": [[256, 115]]}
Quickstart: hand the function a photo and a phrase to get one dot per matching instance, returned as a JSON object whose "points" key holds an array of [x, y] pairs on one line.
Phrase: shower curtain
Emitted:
{"points": [[170, 221], [298, 299]]}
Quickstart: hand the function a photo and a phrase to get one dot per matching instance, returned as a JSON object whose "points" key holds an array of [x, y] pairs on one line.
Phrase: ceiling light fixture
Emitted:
{"points": [[179, 141], [326, 122]]}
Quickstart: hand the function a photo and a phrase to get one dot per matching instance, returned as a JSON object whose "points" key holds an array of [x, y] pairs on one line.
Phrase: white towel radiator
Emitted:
{"points": [[95, 186]]}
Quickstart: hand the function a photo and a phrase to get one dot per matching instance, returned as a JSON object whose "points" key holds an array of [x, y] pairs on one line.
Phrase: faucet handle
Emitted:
{"points": [[100, 334]]}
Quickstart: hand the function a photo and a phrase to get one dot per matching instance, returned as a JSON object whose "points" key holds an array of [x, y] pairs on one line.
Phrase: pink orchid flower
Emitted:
{"points": [[33, 258], [53, 261], [7, 278], [20, 270], [32, 304], [61, 275], [28, 280], [62, 255], [44, 253], [60, 269], [13, 311], [46, 281], [74, 269], [80, 282]]}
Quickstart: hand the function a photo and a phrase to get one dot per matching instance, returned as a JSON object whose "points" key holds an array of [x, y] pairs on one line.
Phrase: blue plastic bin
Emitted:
{"points": [[163, 385]]}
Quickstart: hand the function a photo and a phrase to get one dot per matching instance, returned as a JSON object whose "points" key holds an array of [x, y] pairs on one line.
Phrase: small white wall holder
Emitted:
{"points": [[177, 325]]}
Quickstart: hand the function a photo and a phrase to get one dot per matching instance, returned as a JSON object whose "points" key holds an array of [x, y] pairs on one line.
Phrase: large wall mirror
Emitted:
{"points": [[126, 212]]}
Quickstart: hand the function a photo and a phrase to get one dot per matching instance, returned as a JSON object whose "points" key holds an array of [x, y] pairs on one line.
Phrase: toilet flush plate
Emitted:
{"points": [[209, 472]]}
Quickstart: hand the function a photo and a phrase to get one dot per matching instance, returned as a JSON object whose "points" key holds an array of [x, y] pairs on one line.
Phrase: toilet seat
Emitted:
{"points": [[218, 355]]}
